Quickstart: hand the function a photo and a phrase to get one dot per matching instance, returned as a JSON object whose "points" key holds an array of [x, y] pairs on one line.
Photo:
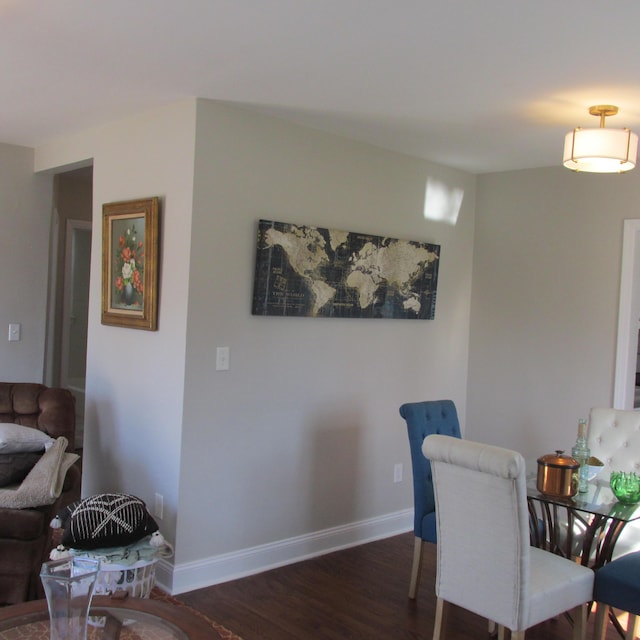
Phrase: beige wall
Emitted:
{"points": [[546, 276], [292, 449], [300, 436], [302, 433], [135, 379], [25, 223]]}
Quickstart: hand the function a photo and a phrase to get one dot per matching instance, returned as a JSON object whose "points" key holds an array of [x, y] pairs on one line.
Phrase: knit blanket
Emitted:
{"points": [[43, 484], [139, 552]]}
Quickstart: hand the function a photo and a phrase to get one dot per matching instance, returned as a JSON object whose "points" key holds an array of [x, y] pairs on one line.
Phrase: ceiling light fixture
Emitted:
{"points": [[601, 150]]}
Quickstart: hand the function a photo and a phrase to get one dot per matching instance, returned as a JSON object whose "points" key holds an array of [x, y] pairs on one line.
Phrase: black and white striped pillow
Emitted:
{"points": [[105, 520]]}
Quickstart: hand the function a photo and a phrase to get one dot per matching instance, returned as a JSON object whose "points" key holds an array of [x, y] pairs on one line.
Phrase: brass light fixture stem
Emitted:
{"points": [[603, 110]]}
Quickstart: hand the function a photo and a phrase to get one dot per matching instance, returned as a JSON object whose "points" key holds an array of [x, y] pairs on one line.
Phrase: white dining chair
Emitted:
{"points": [[614, 438], [485, 563]]}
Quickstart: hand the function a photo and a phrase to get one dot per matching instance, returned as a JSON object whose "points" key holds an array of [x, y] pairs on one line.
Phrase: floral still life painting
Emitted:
{"points": [[129, 264], [129, 256]]}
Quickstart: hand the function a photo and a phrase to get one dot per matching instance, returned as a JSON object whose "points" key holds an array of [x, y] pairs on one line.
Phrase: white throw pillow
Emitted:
{"points": [[14, 438]]}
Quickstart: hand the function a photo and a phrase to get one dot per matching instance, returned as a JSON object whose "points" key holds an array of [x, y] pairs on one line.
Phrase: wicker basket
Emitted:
{"points": [[137, 579]]}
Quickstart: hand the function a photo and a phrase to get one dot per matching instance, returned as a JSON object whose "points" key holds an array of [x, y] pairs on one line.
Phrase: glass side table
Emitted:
{"points": [[115, 619]]}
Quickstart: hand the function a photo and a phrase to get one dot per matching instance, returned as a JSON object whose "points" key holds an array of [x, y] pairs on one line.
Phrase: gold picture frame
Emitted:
{"points": [[130, 245]]}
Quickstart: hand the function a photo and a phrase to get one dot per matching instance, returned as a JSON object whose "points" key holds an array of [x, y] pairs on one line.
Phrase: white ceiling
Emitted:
{"points": [[482, 85]]}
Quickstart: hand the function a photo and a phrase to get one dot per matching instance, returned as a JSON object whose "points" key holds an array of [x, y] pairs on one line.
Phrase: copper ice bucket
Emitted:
{"points": [[558, 475]]}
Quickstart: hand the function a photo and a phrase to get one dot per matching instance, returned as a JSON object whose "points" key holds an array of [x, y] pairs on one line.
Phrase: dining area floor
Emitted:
{"points": [[358, 593]]}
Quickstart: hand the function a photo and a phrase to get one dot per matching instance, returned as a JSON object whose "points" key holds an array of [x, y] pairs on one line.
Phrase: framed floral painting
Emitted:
{"points": [[130, 264]]}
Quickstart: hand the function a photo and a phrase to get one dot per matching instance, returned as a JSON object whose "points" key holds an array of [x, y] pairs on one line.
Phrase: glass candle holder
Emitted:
{"points": [[625, 486], [68, 585]]}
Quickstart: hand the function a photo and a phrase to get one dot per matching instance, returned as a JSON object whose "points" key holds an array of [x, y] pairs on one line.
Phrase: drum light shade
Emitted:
{"points": [[601, 150]]}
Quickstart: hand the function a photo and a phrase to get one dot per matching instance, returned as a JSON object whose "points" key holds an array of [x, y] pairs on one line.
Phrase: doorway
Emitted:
{"points": [[75, 315], [71, 267]]}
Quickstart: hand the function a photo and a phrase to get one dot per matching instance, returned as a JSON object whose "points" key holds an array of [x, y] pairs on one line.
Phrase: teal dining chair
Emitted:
{"points": [[423, 419], [617, 585]]}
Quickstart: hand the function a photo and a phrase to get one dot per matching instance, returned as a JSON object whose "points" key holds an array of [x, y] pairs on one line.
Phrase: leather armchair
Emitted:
{"points": [[25, 535]]}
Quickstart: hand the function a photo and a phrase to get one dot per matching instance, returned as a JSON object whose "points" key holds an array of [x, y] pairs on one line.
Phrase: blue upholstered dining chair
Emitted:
{"points": [[423, 419], [617, 585]]}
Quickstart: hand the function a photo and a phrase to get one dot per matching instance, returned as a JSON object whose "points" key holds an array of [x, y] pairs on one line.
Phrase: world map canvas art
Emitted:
{"points": [[309, 271]]}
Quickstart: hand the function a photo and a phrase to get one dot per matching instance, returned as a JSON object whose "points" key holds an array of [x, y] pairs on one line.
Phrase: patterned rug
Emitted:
{"points": [[40, 630], [225, 634]]}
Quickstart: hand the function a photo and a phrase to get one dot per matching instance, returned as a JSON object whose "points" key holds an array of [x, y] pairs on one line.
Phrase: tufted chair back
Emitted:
{"points": [[614, 437], [424, 419]]}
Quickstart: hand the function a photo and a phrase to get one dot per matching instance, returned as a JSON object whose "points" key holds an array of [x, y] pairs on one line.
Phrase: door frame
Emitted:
{"points": [[624, 388], [72, 225]]}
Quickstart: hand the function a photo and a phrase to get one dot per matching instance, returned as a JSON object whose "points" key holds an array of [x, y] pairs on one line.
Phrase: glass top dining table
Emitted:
{"points": [[585, 526]]}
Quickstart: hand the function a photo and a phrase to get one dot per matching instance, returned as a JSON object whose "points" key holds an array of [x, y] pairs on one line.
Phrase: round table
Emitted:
{"points": [[118, 619]]}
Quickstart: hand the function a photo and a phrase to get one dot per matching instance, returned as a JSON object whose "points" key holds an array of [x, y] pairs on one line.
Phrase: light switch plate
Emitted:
{"points": [[14, 332]]}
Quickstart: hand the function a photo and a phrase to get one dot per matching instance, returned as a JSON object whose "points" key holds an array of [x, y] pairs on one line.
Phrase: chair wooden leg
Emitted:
{"points": [[599, 626], [580, 622], [632, 627], [416, 568], [440, 621], [517, 635], [500, 632]]}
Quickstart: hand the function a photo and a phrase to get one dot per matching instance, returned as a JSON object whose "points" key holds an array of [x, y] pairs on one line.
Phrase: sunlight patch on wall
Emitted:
{"points": [[441, 202]]}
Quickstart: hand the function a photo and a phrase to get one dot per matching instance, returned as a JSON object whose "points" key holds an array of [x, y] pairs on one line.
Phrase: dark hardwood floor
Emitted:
{"points": [[358, 593]]}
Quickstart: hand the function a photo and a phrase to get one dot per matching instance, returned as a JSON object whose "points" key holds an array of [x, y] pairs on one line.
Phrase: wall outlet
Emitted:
{"points": [[158, 506], [222, 358], [397, 472]]}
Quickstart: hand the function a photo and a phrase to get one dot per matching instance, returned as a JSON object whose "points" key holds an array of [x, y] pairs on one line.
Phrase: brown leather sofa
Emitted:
{"points": [[25, 535]]}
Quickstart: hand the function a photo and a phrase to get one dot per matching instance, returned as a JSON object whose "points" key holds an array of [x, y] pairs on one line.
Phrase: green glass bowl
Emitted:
{"points": [[625, 486]]}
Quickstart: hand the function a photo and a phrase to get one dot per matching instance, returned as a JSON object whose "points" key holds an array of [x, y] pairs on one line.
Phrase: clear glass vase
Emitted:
{"points": [[68, 585]]}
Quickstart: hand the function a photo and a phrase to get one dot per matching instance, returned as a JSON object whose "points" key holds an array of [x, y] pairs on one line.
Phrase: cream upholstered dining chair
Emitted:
{"points": [[485, 563], [614, 438]]}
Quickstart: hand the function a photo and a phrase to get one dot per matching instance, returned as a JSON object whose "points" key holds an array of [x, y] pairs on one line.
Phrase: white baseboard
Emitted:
{"points": [[176, 579]]}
